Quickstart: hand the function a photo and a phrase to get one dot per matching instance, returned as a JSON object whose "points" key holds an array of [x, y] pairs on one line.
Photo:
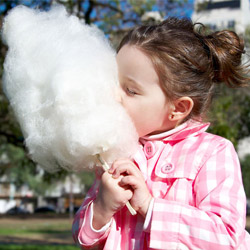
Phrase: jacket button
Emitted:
{"points": [[167, 168], [149, 149]]}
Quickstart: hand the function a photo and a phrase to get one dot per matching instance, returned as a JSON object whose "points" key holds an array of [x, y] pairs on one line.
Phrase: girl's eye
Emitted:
{"points": [[130, 91]]}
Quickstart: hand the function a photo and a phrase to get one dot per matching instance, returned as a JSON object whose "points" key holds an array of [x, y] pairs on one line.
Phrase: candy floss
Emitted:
{"points": [[60, 77]]}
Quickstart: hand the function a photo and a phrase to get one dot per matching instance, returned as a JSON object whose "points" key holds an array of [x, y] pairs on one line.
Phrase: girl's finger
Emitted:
{"points": [[125, 169], [118, 163], [129, 195], [129, 181]]}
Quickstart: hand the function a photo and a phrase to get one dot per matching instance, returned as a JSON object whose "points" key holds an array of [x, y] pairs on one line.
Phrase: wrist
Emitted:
{"points": [[101, 215], [144, 209]]}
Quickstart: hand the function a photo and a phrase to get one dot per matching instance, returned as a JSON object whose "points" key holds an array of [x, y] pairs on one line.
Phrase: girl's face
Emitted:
{"points": [[140, 92]]}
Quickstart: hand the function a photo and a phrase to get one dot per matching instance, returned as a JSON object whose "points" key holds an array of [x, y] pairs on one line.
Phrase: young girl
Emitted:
{"points": [[184, 183]]}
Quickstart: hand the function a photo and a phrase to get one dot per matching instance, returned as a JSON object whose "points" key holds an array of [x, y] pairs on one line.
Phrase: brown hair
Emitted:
{"points": [[188, 61]]}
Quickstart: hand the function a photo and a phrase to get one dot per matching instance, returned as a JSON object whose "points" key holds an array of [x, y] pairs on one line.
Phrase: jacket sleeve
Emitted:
{"points": [[83, 233], [217, 221]]}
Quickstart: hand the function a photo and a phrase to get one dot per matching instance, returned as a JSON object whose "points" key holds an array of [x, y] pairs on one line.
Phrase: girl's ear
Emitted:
{"points": [[181, 109]]}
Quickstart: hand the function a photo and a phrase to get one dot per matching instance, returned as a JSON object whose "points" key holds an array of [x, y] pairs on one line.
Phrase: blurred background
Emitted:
{"points": [[36, 208]]}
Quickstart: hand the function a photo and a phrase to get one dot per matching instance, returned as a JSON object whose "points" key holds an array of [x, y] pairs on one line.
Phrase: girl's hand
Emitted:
{"points": [[130, 176], [111, 198]]}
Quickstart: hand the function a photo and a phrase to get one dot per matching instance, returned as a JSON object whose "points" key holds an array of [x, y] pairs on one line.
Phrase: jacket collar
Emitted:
{"points": [[188, 129]]}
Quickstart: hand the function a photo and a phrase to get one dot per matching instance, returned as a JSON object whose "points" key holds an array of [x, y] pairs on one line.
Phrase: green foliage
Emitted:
{"points": [[87, 178], [244, 121], [247, 36], [230, 113], [201, 6], [245, 167], [141, 6], [220, 114], [19, 169]]}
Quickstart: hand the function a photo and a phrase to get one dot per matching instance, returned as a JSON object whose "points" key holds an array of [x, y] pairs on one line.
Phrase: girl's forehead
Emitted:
{"points": [[133, 59], [133, 64], [130, 52]]}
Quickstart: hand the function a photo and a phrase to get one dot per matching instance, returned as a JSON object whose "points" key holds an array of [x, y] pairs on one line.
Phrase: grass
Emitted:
{"points": [[36, 247], [45, 226], [31, 233], [40, 233]]}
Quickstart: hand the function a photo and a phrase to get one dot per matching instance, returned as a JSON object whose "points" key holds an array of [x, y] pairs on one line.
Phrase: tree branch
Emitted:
{"points": [[107, 5], [88, 12]]}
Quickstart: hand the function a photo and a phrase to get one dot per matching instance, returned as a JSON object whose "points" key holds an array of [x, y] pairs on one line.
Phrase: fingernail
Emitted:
{"points": [[114, 176]]}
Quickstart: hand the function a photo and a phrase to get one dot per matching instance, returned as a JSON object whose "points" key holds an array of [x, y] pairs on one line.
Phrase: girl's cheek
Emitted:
{"points": [[132, 111], [126, 104]]}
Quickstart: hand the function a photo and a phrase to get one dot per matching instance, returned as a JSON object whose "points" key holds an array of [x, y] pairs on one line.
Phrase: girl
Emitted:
{"points": [[184, 183]]}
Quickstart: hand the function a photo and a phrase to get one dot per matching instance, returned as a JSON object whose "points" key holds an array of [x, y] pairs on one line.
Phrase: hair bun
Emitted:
{"points": [[226, 49]]}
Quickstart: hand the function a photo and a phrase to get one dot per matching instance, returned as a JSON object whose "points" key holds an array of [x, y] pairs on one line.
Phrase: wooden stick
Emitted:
{"points": [[106, 167]]}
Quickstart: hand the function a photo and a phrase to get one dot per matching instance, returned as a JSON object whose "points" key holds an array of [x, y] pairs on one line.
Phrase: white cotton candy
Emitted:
{"points": [[60, 77]]}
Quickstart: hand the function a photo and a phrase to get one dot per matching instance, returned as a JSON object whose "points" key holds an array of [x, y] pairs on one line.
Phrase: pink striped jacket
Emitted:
{"points": [[199, 200]]}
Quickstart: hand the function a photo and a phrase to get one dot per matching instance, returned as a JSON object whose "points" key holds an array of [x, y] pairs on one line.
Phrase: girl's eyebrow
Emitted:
{"points": [[134, 82]]}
